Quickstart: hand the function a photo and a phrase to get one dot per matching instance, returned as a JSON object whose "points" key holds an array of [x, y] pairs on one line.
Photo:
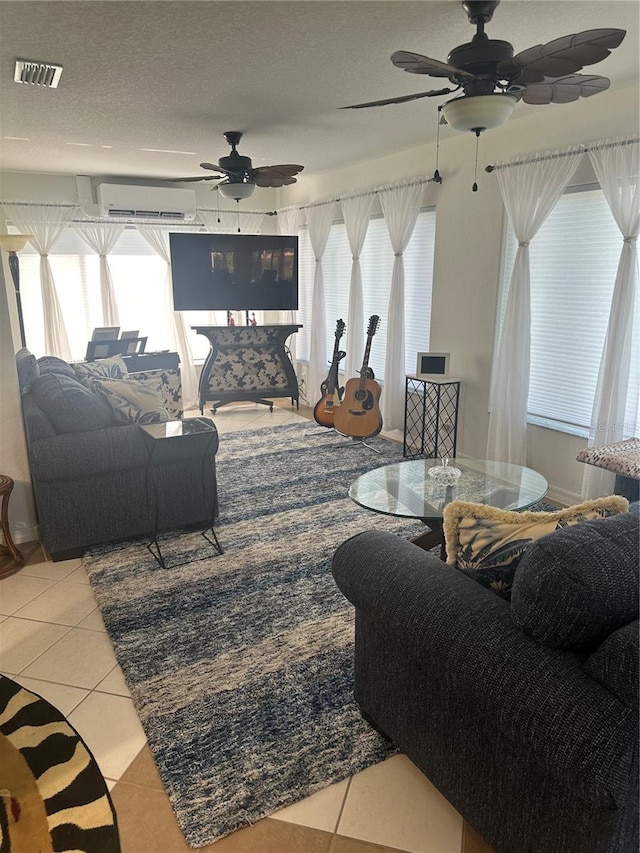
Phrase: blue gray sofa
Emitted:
{"points": [[523, 713], [89, 468]]}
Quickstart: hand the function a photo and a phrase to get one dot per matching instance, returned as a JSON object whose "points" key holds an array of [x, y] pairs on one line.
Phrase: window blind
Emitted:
{"points": [[574, 260]]}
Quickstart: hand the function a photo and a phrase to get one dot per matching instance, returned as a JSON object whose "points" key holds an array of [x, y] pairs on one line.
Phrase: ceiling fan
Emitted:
{"points": [[492, 79], [236, 175]]}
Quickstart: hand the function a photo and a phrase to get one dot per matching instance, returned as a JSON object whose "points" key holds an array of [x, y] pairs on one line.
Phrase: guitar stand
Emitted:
{"points": [[357, 441], [323, 431]]}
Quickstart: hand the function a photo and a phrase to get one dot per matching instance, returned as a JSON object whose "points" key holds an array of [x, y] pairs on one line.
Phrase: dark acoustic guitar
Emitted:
{"points": [[330, 390], [358, 415]]}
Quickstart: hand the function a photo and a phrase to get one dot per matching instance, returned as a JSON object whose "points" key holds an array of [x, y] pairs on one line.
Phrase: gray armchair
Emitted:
{"points": [[535, 743]]}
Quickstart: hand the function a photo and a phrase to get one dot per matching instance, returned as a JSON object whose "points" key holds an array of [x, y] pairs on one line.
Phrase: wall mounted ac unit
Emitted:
{"points": [[163, 203]]}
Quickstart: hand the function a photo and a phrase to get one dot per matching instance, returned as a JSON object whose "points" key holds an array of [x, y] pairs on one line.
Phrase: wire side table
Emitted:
{"points": [[199, 430], [430, 417]]}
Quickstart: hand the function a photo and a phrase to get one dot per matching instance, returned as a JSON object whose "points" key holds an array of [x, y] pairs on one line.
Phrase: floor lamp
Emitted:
{"points": [[12, 244]]}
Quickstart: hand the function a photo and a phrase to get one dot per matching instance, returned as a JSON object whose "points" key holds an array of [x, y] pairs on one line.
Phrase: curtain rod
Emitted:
{"points": [[118, 220], [362, 193], [241, 212], [537, 158]]}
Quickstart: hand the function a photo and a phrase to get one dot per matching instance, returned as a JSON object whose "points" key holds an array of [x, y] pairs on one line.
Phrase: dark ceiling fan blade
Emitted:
{"points": [[401, 100], [215, 169], [563, 90], [274, 181], [416, 63], [564, 55], [203, 178], [283, 170]]}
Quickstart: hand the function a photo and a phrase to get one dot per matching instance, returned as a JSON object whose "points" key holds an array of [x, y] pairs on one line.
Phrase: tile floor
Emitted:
{"points": [[53, 641]]}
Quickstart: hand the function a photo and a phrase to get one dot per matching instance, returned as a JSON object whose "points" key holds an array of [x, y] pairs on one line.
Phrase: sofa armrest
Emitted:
{"points": [[37, 425], [411, 592], [104, 451], [615, 663], [461, 634], [82, 454]]}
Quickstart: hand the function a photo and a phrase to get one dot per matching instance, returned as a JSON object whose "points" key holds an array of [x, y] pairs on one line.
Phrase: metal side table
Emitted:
{"points": [[199, 430], [430, 417]]}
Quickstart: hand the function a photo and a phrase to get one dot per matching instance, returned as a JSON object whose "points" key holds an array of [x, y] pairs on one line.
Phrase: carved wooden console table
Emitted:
{"points": [[247, 363]]}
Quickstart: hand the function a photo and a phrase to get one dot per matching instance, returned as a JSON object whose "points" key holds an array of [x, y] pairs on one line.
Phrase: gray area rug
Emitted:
{"points": [[240, 665]]}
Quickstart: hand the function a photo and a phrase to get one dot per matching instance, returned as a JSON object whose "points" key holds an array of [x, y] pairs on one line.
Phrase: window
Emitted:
{"points": [[138, 275], [200, 345], [574, 260], [376, 262]]}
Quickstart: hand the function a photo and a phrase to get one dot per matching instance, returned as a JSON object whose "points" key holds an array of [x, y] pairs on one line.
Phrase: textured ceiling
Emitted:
{"points": [[176, 75]]}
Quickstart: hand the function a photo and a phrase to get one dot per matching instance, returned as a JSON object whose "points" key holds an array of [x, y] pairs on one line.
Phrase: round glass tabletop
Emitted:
{"points": [[406, 489]]}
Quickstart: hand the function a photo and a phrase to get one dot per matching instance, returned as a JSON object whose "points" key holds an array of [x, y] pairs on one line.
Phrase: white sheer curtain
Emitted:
{"points": [[319, 219], [400, 206], [219, 222], [158, 239], [356, 212], [228, 221], [530, 190], [289, 221], [617, 168], [101, 237], [46, 223]]}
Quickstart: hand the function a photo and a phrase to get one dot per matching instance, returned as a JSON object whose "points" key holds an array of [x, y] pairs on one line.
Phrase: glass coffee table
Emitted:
{"points": [[406, 490]]}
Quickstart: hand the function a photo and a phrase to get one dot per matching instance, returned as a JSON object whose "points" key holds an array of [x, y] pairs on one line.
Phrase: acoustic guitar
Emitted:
{"points": [[358, 415], [329, 389]]}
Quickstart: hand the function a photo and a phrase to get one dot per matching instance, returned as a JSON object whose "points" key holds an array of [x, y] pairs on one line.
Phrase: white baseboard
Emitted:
{"points": [[21, 533], [560, 496]]}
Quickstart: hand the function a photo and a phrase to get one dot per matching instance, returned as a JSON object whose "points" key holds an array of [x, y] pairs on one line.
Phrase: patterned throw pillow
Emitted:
{"points": [[170, 385], [131, 402], [104, 368], [487, 544]]}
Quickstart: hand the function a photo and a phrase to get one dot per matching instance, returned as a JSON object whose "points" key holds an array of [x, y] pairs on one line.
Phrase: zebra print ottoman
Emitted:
{"points": [[52, 794]]}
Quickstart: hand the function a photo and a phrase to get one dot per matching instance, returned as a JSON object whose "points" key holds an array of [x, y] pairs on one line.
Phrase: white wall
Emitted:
{"points": [[469, 230], [39, 186], [13, 451], [467, 260]]}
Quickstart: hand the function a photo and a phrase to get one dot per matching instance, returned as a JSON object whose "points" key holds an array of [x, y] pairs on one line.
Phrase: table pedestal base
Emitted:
{"points": [[431, 538]]}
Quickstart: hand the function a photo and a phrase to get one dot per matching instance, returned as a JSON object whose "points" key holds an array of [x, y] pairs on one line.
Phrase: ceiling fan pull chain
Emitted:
{"points": [[238, 213], [436, 175], [475, 173]]}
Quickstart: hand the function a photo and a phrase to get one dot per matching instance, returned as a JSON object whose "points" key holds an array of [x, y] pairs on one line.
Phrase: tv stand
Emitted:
{"points": [[247, 363]]}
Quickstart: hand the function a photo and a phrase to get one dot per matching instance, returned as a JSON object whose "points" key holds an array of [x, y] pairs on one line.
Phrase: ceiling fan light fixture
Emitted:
{"points": [[237, 190], [477, 113]]}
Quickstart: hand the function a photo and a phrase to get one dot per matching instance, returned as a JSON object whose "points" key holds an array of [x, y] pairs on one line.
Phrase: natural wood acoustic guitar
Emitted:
{"points": [[330, 389], [358, 415]]}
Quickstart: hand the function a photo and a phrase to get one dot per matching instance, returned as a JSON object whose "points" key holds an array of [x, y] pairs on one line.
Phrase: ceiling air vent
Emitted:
{"points": [[37, 73]]}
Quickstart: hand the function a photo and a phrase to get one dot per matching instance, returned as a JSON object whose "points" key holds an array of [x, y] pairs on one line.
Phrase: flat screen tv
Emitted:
{"points": [[234, 272]]}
